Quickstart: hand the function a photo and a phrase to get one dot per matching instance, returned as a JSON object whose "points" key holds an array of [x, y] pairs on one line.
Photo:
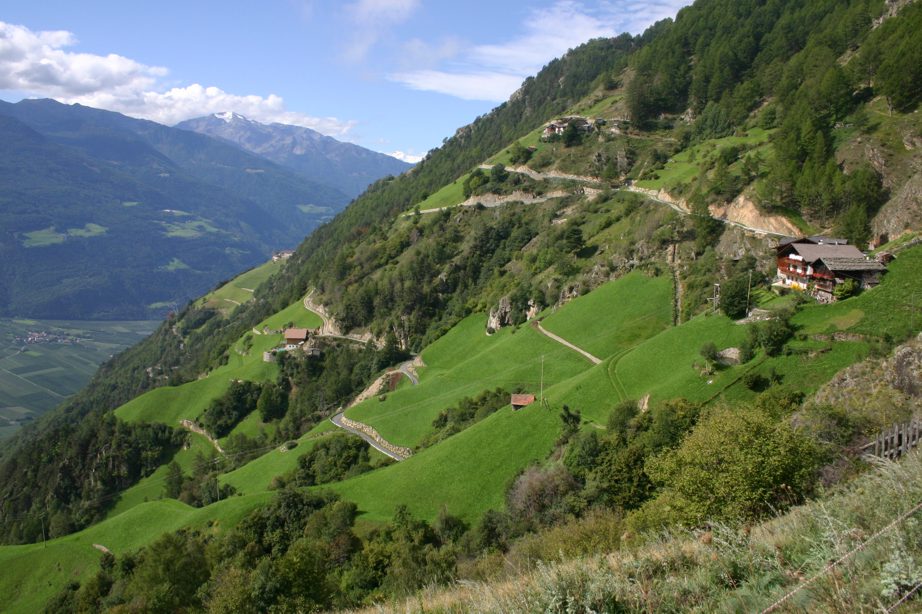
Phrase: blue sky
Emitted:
{"points": [[391, 75]]}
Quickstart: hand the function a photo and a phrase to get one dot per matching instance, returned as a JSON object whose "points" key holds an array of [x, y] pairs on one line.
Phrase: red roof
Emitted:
{"points": [[296, 334], [521, 400]]}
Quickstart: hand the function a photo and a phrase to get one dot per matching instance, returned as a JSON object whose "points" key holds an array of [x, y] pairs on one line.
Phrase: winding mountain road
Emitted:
{"points": [[367, 432], [189, 425], [338, 421]]}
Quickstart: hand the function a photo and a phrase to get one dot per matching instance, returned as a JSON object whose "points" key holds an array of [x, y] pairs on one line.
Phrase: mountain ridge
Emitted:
{"points": [[315, 156], [110, 217]]}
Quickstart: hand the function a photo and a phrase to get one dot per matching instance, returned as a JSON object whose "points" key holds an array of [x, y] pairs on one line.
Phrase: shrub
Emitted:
{"points": [[754, 381], [709, 352], [737, 464], [846, 289], [734, 296]]}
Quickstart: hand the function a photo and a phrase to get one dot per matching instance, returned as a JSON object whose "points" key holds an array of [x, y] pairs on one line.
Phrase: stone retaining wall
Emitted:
{"points": [[371, 432]]}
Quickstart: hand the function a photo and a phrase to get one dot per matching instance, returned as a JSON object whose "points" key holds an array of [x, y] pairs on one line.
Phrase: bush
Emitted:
{"points": [[846, 289], [709, 352], [755, 382], [737, 464], [734, 296]]}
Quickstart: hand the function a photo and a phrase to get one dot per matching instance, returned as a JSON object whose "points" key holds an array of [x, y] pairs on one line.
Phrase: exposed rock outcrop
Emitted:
{"points": [[903, 211], [742, 210], [500, 316], [881, 391]]}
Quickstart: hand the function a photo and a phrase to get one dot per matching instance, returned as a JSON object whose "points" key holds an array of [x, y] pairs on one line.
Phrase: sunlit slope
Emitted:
{"points": [[467, 473], [170, 404], [34, 573], [466, 362], [616, 315], [240, 289]]}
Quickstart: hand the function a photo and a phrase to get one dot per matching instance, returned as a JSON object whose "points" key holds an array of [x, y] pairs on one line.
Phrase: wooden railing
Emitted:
{"points": [[893, 442]]}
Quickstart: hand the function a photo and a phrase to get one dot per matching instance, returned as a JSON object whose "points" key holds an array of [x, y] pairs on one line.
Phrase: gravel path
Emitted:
{"points": [[593, 359]]}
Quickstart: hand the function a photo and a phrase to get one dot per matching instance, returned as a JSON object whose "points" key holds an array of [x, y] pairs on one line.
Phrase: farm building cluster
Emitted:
{"points": [[819, 265], [302, 339]]}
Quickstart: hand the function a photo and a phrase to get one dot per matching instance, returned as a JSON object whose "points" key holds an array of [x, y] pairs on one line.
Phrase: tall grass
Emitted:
{"points": [[722, 568]]}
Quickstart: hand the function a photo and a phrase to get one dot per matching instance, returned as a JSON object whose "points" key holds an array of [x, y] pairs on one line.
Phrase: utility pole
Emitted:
{"points": [[42, 517], [912, 311], [748, 291], [542, 378]]}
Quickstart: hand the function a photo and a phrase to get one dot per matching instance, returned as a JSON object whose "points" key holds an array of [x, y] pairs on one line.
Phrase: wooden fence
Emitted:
{"points": [[893, 442]]}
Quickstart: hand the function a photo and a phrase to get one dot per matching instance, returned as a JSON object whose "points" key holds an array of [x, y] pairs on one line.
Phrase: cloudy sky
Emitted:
{"points": [[391, 75]]}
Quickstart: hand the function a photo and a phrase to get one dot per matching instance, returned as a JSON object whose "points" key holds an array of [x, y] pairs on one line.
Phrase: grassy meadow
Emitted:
{"points": [[170, 404], [240, 289]]}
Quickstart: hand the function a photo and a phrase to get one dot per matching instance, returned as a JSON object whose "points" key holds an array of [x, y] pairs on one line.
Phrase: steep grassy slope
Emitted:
{"points": [[170, 404], [34, 573], [463, 363], [615, 316], [240, 289], [725, 569], [426, 282]]}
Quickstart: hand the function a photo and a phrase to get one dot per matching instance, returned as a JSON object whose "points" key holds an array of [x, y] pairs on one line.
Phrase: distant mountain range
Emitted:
{"points": [[103, 216], [316, 157]]}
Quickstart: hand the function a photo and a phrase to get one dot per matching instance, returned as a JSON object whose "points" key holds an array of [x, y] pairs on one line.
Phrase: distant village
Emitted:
{"points": [[43, 337]]}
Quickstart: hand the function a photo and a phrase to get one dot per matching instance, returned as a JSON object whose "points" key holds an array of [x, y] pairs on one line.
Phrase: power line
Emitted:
{"points": [[904, 598], [842, 558]]}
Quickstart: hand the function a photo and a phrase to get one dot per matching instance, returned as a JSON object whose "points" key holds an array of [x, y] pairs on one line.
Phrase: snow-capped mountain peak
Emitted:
{"points": [[230, 116]]}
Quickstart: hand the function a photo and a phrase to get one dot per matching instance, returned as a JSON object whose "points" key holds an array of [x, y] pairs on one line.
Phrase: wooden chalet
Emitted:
{"points": [[519, 401], [818, 264]]}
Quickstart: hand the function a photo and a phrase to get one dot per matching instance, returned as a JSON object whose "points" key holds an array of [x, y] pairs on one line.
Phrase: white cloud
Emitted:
{"points": [[371, 19], [493, 72], [38, 64], [406, 157], [494, 86]]}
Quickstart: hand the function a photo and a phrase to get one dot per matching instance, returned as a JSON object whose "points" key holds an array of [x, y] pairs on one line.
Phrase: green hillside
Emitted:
{"points": [[615, 316], [680, 418], [240, 289]]}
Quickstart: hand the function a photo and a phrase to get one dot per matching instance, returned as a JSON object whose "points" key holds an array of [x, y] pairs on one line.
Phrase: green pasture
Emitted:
{"points": [[88, 230], [449, 196], [191, 229], [151, 487], [170, 404], [467, 473], [466, 362], [256, 475], [34, 573], [293, 315], [240, 289], [615, 316], [532, 139], [664, 366], [175, 265]]}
